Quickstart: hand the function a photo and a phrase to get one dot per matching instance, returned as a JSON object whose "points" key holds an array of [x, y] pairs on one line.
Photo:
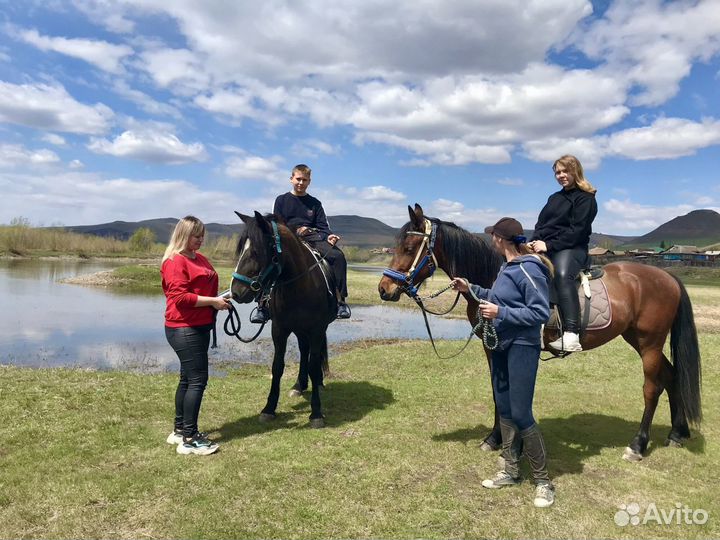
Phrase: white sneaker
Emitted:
{"points": [[569, 342], [175, 437], [544, 496]]}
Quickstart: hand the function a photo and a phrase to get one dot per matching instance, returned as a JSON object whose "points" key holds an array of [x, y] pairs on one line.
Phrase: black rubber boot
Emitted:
{"points": [[534, 449], [510, 447]]}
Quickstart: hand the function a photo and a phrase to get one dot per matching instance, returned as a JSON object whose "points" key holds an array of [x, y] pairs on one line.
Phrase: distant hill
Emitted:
{"points": [[354, 230], [698, 228], [162, 227]]}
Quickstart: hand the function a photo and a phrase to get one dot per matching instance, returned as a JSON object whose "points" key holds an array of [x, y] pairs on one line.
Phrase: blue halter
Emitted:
{"points": [[265, 280], [407, 280]]}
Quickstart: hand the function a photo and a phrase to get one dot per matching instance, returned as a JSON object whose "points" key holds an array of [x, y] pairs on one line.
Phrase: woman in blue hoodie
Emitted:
{"points": [[518, 306]]}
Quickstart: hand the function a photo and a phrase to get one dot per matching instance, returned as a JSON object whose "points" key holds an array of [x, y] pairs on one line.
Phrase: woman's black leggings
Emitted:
{"points": [[568, 264], [190, 343]]}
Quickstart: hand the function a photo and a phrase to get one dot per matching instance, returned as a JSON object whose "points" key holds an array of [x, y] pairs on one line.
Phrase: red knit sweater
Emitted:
{"points": [[183, 280]]}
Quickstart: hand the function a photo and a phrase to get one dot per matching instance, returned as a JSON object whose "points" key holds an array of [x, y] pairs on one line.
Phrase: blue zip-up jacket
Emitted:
{"points": [[521, 293]]}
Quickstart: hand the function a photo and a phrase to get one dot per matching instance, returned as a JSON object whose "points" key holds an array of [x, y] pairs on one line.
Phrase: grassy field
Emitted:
{"points": [[84, 453]]}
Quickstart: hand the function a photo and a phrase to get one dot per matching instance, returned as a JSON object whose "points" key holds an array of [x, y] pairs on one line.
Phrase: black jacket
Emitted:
{"points": [[305, 211], [566, 220]]}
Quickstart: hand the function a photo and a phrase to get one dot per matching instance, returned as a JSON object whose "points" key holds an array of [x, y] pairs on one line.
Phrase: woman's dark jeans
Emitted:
{"points": [[190, 343], [513, 373], [568, 264]]}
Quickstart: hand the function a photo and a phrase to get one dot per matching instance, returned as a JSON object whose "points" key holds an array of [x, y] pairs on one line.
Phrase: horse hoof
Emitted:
{"points": [[317, 423], [266, 417], [631, 455], [295, 393], [672, 443]]}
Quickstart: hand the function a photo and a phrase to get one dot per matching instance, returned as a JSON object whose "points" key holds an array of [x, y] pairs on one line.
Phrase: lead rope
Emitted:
{"points": [[485, 327], [233, 321], [435, 295]]}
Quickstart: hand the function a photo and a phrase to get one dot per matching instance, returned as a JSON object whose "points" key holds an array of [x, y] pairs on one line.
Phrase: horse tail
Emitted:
{"points": [[325, 362], [686, 358]]}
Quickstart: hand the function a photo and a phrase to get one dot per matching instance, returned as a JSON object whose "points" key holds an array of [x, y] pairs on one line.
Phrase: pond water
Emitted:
{"points": [[44, 323]]}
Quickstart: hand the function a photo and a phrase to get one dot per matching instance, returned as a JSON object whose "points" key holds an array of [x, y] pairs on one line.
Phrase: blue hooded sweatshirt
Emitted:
{"points": [[521, 292]]}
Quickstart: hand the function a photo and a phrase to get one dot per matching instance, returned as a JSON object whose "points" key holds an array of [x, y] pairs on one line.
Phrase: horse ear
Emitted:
{"points": [[417, 217], [262, 222], [243, 217]]}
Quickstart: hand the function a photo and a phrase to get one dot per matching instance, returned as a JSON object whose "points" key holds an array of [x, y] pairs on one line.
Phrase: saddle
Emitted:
{"points": [[595, 310]]}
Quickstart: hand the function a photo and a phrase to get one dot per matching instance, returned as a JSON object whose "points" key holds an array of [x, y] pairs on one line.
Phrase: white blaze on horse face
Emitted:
{"points": [[245, 249]]}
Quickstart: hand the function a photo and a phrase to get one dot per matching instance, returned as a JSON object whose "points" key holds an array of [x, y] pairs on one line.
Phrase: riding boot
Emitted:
{"points": [[509, 473], [511, 447], [534, 449]]}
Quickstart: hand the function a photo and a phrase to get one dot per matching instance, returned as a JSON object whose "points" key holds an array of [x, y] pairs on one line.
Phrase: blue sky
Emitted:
{"points": [[136, 109]]}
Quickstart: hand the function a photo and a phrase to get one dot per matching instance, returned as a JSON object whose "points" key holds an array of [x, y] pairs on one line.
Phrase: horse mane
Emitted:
{"points": [[466, 254], [257, 238]]}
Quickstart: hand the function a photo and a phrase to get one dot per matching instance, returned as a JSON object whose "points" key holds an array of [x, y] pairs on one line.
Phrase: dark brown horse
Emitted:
{"points": [[272, 258], [647, 304]]}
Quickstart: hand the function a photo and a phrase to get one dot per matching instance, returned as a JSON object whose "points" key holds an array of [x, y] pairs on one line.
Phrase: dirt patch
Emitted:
{"points": [[98, 279]]}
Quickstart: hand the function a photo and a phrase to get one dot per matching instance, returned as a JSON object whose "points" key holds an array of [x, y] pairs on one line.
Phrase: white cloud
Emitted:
{"points": [[653, 43], [78, 198], [666, 138], [315, 147], [101, 54], [76, 164], [375, 193], [625, 215], [55, 139], [441, 151], [181, 69], [374, 39], [513, 182], [144, 101], [47, 107], [14, 155], [256, 168], [108, 13], [150, 144]]}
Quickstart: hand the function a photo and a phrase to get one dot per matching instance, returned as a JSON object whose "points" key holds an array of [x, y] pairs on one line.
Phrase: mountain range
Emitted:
{"points": [[697, 228]]}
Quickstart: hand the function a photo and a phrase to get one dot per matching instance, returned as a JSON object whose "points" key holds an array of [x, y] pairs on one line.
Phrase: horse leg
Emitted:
{"points": [[280, 338], [680, 431], [317, 420], [302, 381], [652, 359]]}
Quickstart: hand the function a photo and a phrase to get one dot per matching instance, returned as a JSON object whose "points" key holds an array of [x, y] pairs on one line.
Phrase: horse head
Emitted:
{"points": [[259, 258], [413, 261]]}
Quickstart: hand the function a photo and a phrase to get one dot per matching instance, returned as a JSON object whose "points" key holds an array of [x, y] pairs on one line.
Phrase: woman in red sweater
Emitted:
{"points": [[190, 284]]}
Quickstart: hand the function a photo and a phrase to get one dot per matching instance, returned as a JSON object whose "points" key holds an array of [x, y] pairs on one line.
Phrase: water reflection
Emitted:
{"points": [[48, 324]]}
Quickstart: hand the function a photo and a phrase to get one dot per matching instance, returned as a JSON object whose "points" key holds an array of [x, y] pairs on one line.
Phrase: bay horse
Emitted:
{"points": [[273, 258], [647, 304]]}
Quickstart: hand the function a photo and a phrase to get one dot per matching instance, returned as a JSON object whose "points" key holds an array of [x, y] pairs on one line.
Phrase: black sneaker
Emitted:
{"points": [[343, 311], [198, 444], [260, 315]]}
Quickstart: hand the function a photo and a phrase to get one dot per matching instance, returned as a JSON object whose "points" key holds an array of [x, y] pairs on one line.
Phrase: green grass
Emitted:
{"points": [[84, 453]]}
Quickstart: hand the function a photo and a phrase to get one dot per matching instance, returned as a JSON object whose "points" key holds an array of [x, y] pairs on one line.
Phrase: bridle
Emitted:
{"points": [[263, 283], [265, 280], [423, 257]]}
